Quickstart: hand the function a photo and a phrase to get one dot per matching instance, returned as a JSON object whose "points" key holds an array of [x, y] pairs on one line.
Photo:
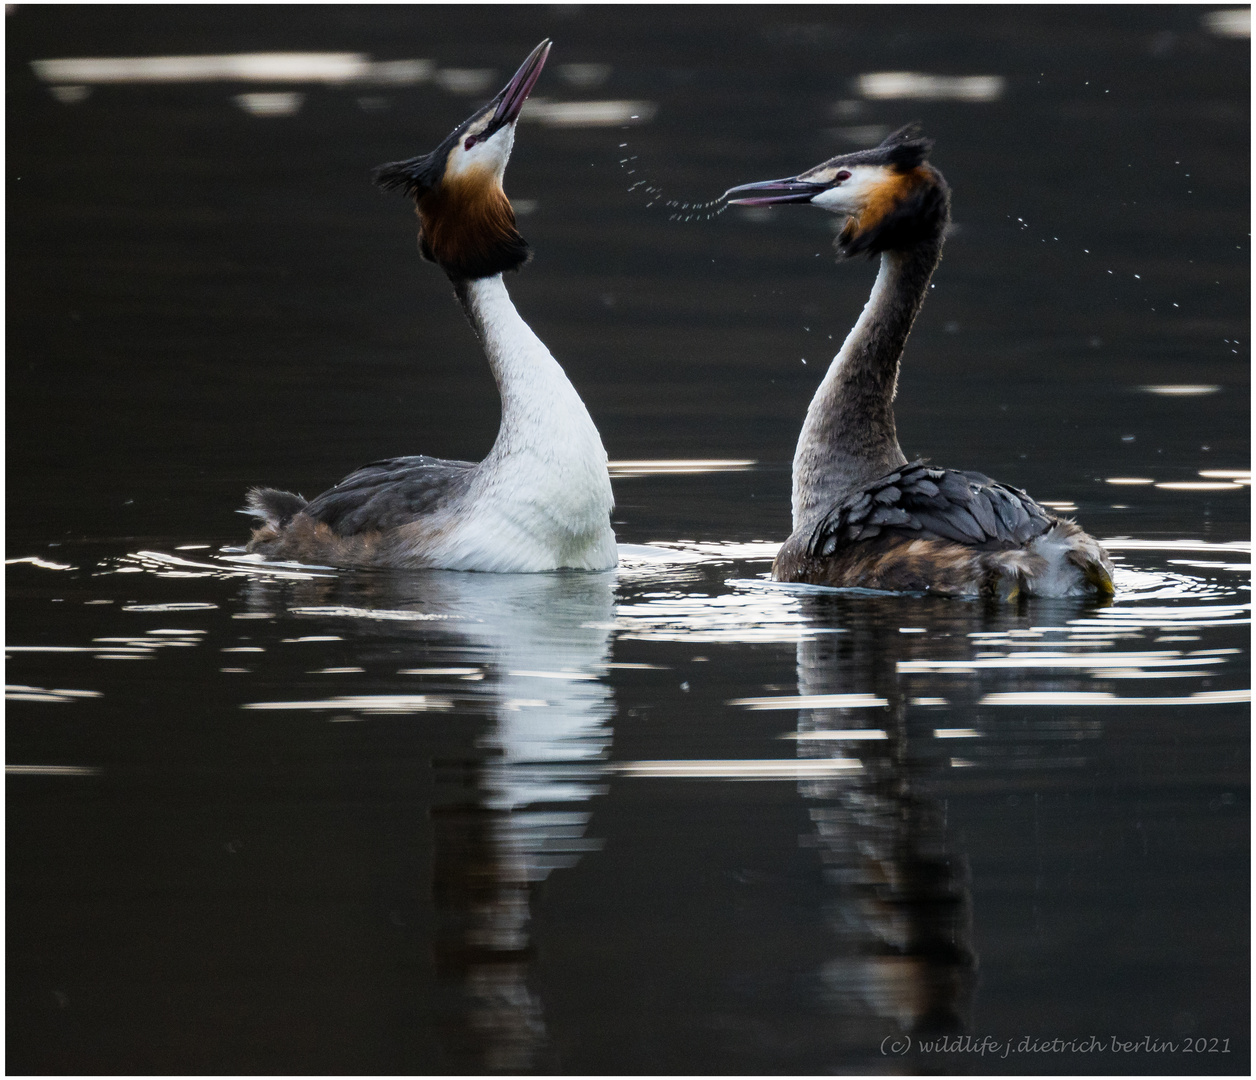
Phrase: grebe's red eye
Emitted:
{"points": [[843, 175], [471, 141]]}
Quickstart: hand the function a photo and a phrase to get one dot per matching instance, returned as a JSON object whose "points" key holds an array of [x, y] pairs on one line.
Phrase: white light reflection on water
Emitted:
{"points": [[758, 610], [51, 770], [759, 617], [220, 566], [917, 86], [43, 564], [65, 649], [18, 692], [585, 76], [1127, 544], [278, 103], [1059, 660], [113, 647], [378, 614], [1198, 485], [567, 676], [177, 605], [70, 95], [466, 80], [812, 701], [1204, 565], [706, 551], [366, 703], [1180, 390], [1090, 645], [1234, 22], [739, 769], [839, 735], [671, 466], [682, 561], [688, 606], [569, 114], [668, 595], [284, 67], [1192, 615], [1068, 697]]}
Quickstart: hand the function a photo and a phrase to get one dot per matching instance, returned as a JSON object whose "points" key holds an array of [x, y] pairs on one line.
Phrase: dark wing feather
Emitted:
{"points": [[918, 501], [386, 494], [980, 508]]}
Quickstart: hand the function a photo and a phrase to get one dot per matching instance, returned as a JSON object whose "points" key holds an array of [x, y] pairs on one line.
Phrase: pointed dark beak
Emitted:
{"points": [[510, 100], [770, 192]]}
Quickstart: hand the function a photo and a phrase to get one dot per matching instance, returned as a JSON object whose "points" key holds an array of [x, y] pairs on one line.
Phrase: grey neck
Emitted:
{"points": [[848, 438]]}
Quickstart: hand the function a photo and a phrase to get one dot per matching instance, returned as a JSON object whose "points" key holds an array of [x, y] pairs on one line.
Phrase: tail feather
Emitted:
{"points": [[1075, 563], [275, 508], [1064, 561]]}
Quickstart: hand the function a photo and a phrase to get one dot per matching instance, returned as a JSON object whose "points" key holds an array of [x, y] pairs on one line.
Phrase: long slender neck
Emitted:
{"points": [[542, 414], [848, 437]]}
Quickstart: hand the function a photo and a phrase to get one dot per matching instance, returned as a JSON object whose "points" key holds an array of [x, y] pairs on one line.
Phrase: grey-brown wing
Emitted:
{"points": [[939, 504], [385, 494]]}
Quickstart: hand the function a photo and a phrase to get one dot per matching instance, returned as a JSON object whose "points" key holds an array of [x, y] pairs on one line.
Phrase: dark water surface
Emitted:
{"points": [[671, 818]]}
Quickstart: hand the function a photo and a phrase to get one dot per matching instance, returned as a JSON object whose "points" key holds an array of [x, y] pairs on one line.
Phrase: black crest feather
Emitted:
{"points": [[905, 148], [411, 177]]}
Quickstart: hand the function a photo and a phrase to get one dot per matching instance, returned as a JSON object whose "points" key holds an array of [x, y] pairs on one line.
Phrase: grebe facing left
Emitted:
{"points": [[541, 499], [863, 515]]}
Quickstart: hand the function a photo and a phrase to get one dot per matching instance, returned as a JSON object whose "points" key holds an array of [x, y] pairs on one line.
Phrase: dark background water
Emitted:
{"points": [[201, 299]]}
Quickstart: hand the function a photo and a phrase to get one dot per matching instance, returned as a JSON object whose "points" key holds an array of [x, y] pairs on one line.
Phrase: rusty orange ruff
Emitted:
{"points": [[884, 198], [466, 221]]}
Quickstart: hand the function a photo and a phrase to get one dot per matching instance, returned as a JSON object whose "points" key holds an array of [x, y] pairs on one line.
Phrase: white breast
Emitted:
{"points": [[541, 499]]}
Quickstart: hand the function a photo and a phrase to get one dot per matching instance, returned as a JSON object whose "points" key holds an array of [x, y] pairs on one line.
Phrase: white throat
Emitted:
{"points": [[542, 497]]}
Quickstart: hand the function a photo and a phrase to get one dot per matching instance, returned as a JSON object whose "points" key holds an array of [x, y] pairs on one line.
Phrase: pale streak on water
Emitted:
{"points": [[676, 594]]}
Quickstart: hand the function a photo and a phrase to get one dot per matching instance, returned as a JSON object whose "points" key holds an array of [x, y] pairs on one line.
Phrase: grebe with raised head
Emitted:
{"points": [[541, 499], [863, 516]]}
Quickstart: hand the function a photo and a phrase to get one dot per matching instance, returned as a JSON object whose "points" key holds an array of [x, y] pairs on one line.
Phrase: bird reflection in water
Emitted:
{"points": [[516, 808], [900, 907], [521, 813]]}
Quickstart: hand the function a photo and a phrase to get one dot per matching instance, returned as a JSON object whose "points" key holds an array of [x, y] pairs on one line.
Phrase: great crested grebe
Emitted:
{"points": [[541, 499], [863, 515]]}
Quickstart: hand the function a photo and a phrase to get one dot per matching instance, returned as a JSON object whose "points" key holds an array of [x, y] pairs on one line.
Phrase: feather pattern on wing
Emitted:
{"points": [[919, 501], [389, 493]]}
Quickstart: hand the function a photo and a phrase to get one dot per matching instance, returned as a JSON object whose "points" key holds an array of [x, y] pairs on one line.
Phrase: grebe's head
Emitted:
{"points": [[466, 223], [891, 198]]}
